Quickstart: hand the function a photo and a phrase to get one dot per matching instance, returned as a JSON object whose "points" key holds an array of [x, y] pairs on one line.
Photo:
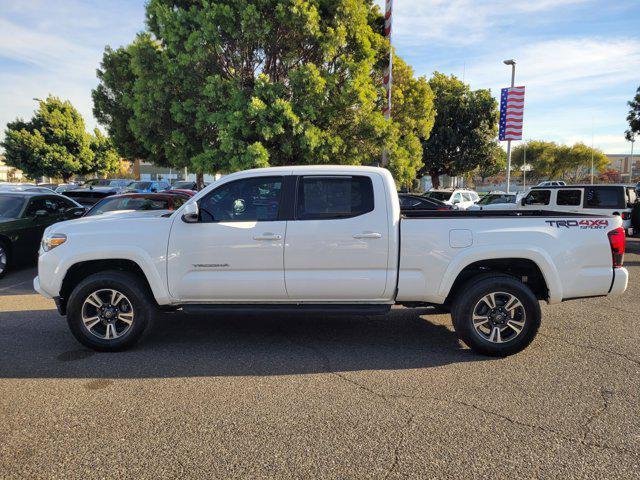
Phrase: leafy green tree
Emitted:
{"points": [[464, 131], [105, 157], [232, 84], [553, 161], [54, 143], [494, 163], [634, 117]]}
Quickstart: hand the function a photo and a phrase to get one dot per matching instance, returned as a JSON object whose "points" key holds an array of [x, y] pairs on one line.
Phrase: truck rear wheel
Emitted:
{"points": [[497, 315], [109, 311]]}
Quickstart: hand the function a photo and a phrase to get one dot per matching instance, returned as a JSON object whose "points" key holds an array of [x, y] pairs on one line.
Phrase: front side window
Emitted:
{"points": [[603, 197], [325, 198], [538, 197], [569, 197], [251, 199]]}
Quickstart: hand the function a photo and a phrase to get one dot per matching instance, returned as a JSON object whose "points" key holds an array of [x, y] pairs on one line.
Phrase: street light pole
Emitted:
{"points": [[513, 80], [633, 139], [524, 169]]}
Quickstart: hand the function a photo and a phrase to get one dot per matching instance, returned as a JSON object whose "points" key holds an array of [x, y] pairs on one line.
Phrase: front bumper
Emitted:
{"points": [[620, 281], [38, 288]]}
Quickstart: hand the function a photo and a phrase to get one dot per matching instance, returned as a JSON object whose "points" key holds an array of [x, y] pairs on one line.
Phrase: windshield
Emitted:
{"points": [[134, 203], [139, 185], [442, 196], [10, 206]]}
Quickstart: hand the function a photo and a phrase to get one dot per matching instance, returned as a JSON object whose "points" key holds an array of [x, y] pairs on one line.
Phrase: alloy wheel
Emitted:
{"points": [[499, 317], [3, 259], [107, 314]]}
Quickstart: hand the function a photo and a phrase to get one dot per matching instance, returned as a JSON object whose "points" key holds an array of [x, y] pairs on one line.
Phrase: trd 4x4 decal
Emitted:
{"points": [[583, 224]]}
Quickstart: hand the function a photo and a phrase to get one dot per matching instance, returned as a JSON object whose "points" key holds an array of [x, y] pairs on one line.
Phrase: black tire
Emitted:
{"points": [[136, 293], [5, 252], [471, 300]]}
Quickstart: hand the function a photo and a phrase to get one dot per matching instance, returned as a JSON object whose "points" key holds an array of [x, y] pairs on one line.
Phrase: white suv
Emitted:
{"points": [[459, 197]]}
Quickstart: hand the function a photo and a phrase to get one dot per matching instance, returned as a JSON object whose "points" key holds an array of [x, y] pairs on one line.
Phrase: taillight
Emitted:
{"points": [[626, 215], [444, 208], [617, 241]]}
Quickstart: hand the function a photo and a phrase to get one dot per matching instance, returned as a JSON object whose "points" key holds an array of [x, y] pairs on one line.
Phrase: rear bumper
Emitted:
{"points": [[620, 281]]}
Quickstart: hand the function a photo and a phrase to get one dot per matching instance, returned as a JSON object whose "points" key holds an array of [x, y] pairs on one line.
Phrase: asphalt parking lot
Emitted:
{"points": [[321, 397]]}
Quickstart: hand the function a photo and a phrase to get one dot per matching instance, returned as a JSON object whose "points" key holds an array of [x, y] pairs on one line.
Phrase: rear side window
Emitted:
{"points": [[326, 198], [569, 197], [538, 197], [604, 197]]}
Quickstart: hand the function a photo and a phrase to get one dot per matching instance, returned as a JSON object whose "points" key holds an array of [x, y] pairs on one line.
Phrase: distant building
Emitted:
{"points": [[147, 171], [623, 164], [7, 173]]}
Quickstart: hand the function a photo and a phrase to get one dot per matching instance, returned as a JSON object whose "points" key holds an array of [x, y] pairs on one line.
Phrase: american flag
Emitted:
{"points": [[511, 112]]}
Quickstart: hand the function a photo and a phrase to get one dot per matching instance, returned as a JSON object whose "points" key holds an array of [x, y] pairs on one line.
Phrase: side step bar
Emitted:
{"points": [[231, 308]]}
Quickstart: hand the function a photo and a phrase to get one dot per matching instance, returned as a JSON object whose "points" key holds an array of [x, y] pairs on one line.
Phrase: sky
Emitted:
{"points": [[579, 59]]}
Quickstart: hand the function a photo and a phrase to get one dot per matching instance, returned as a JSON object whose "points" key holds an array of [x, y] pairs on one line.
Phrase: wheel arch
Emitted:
{"points": [[81, 270], [525, 270]]}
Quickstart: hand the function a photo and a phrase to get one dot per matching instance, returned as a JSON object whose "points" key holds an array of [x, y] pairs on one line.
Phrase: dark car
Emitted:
{"points": [[23, 218], [138, 201], [186, 185], [408, 200], [147, 187], [93, 191]]}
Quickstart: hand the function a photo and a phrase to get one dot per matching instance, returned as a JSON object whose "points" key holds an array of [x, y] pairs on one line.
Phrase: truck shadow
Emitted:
{"points": [[40, 346]]}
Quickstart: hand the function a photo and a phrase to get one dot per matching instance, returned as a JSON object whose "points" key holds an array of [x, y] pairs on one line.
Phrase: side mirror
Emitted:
{"points": [[523, 202], [191, 213], [154, 190], [76, 211]]}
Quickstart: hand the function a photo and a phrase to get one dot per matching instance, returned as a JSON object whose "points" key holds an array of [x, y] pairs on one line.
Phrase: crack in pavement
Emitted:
{"points": [[580, 441], [592, 347], [606, 395], [387, 399]]}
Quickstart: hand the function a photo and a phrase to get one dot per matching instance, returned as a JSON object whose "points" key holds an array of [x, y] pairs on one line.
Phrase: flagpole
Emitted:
{"points": [[388, 75]]}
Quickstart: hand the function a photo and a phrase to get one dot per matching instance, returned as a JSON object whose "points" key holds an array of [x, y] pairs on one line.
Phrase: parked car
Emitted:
{"points": [[592, 199], [552, 183], [408, 200], [185, 185], [495, 201], [94, 190], [8, 187], [147, 187], [329, 239], [458, 197], [138, 201], [176, 191], [23, 218], [65, 187]]}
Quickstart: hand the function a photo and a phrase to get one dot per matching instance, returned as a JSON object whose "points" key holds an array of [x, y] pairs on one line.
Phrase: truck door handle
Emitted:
{"points": [[367, 235], [268, 236]]}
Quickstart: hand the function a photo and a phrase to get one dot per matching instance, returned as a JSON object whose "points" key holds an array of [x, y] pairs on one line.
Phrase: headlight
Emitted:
{"points": [[53, 240]]}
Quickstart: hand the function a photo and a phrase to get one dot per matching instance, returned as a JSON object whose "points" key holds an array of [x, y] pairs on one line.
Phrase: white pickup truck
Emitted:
{"points": [[329, 239]]}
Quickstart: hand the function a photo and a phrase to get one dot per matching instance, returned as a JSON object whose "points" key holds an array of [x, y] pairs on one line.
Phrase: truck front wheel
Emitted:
{"points": [[496, 315], [109, 311]]}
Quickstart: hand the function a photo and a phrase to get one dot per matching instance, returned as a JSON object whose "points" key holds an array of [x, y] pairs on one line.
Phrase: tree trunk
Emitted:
{"points": [[200, 180], [435, 180]]}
